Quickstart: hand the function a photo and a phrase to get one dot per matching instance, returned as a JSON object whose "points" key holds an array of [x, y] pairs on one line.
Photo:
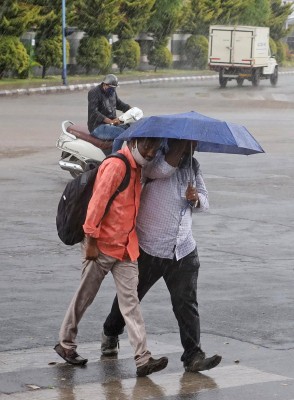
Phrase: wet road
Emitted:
{"points": [[245, 247]]}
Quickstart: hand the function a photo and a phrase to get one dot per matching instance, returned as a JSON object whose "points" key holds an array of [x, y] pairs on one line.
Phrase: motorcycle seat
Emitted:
{"points": [[82, 132]]}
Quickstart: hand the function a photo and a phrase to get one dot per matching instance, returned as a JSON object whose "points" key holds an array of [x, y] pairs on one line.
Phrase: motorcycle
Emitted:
{"points": [[79, 148]]}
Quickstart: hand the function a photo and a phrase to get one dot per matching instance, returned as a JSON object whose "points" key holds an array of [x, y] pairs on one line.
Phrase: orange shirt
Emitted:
{"points": [[116, 235]]}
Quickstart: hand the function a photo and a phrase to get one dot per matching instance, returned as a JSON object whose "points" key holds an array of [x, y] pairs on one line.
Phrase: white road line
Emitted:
{"points": [[280, 97], [158, 385]]}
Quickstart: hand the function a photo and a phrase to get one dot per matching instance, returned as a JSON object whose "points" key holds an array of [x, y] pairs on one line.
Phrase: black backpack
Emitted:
{"points": [[73, 205]]}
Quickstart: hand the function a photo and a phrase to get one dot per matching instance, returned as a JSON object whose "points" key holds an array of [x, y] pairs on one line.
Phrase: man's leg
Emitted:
{"points": [[150, 270], [181, 279], [125, 275], [107, 132], [92, 275]]}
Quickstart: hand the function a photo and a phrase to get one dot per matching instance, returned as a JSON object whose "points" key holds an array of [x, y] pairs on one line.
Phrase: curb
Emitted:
{"points": [[71, 88], [88, 86]]}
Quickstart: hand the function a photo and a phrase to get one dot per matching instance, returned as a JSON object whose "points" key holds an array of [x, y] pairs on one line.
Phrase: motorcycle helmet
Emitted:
{"points": [[110, 80]]}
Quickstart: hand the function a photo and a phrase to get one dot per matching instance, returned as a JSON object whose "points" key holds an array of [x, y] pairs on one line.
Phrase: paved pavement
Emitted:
{"points": [[246, 282], [247, 372]]}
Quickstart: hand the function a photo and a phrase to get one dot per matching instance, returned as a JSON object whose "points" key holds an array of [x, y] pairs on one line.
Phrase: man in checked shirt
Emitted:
{"points": [[168, 249]]}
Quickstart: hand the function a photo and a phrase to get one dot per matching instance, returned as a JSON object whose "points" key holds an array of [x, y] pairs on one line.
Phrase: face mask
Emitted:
{"points": [[109, 91], [137, 156]]}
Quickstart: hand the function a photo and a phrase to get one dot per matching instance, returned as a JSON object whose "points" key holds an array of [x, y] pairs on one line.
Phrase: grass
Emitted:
{"points": [[10, 83]]}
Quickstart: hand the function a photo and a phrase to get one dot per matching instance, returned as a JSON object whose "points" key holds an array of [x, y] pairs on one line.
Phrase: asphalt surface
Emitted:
{"points": [[244, 242]]}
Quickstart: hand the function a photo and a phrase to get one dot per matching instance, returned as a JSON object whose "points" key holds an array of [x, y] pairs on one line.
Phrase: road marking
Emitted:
{"points": [[280, 97], [159, 385]]}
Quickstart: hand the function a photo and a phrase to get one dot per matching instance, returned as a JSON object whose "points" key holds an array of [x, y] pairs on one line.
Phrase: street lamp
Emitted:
{"points": [[64, 72]]}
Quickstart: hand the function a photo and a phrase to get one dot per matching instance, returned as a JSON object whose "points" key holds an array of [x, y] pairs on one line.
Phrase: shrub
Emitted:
{"points": [[160, 57], [196, 51], [13, 55], [273, 46], [126, 54], [94, 53], [281, 51], [49, 53]]}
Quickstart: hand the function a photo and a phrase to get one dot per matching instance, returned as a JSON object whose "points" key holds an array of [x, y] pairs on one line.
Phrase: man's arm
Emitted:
{"points": [[93, 103], [121, 106]]}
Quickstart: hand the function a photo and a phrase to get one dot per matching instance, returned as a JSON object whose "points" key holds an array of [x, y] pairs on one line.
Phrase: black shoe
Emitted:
{"points": [[201, 363], [70, 356], [109, 345], [151, 366]]}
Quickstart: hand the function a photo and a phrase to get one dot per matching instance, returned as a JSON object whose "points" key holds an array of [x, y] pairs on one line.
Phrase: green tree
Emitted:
{"points": [[135, 14], [165, 19], [126, 54], [279, 14], [256, 13], [97, 17], [48, 47], [94, 53], [199, 15], [16, 17], [196, 50], [49, 53], [13, 55], [231, 11], [160, 56]]}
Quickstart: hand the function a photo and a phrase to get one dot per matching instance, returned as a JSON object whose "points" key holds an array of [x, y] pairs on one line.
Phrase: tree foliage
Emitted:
{"points": [[16, 17], [165, 19], [196, 50], [135, 14], [49, 53], [279, 14], [97, 17], [94, 53], [199, 14], [256, 13], [13, 55], [126, 54], [160, 56]]}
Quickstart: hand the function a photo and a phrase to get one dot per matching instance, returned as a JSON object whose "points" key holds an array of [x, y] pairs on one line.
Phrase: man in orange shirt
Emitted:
{"points": [[111, 244]]}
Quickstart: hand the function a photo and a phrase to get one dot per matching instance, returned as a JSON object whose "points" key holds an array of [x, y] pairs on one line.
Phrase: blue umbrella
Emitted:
{"points": [[212, 135]]}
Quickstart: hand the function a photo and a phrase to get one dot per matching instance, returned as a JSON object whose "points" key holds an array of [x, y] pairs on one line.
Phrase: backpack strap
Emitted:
{"points": [[125, 182]]}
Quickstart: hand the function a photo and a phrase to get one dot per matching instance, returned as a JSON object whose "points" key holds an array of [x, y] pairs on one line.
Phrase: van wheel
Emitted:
{"points": [[256, 77], [222, 81], [274, 77], [240, 81]]}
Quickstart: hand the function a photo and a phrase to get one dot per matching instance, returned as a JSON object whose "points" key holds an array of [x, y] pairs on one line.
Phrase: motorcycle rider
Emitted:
{"points": [[102, 105]]}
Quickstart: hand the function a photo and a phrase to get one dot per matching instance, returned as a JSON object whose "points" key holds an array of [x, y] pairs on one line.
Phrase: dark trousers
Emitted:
{"points": [[181, 280]]}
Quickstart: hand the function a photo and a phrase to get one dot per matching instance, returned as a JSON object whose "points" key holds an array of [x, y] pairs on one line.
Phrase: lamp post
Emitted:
{"points": [[64, 72]]}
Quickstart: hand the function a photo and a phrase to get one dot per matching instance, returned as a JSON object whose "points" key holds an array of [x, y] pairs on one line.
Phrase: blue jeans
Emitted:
{"points": [[181, 280], [110, 132]]}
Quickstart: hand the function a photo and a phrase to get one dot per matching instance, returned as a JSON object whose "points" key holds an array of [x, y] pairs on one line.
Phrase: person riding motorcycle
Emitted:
{"points": [[102, 105]]}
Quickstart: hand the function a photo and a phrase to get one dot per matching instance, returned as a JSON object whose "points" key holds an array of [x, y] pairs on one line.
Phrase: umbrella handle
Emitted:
{"points": [[191, 163]]}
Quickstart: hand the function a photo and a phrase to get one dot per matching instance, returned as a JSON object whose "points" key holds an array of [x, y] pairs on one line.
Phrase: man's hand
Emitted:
{"points": [[91, 248], [192, 195], [116, 121]]}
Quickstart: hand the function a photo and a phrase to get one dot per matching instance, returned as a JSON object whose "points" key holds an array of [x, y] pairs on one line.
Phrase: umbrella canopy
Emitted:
{"points": [[213, 135]]}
